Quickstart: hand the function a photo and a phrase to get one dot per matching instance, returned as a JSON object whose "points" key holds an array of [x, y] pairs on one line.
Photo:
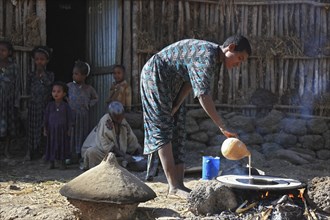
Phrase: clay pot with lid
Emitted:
{"points": [[107, 191], [234, 149]]}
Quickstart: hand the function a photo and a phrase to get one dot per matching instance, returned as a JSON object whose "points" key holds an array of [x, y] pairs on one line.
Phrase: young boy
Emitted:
{"points": [[166, 80], [120, 90]]}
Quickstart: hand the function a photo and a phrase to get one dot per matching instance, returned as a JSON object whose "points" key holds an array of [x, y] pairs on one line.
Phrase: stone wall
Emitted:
{"points": [[274, 136]]}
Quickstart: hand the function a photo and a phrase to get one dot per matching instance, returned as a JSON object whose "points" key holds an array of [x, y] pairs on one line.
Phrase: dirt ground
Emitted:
{"points": [[29, 190]]}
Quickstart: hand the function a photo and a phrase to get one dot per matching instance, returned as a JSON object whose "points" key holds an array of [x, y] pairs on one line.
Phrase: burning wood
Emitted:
{"points": [[240, 209], [307, 213], [265, 214]]}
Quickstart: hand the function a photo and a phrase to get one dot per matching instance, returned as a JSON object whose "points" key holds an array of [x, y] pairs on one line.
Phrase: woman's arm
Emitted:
{"points": [[183, 93], [209, 107]]}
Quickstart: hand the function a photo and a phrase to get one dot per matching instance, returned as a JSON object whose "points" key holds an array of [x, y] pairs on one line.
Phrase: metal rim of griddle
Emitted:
{"points": [[235, 181]]}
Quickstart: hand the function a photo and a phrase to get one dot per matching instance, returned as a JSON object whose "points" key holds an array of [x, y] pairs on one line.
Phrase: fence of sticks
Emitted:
{"points": [[290, 46]]}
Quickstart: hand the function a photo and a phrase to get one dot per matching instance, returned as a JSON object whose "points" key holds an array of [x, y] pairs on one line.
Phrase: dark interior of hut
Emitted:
{"points": [[66, 31]]}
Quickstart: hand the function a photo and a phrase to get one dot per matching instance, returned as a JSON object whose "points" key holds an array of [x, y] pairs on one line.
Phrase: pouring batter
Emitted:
{"points": [[166, 80]]}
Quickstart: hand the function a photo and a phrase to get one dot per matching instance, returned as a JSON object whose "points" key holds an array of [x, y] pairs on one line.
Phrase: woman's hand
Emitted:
{"points": [[228, 134], [174, 110]]}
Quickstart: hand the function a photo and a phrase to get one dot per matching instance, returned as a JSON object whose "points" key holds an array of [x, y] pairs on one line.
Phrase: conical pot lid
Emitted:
{"points": [[108, 182]]}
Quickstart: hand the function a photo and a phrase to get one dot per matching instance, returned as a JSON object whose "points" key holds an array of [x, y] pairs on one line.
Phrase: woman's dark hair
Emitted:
{"points": [[63, 85], [242, 44], [82, 66], [9, 46], [42, 49]]}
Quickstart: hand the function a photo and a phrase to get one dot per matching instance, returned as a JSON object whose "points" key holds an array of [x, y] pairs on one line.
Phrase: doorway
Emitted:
{"points": [[66, 35]]}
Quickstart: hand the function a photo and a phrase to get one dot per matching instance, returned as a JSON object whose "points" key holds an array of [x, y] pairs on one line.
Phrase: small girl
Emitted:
{"points": [[39, 86], [9, 94], [120, 89], [81, 98], [57, 126]]}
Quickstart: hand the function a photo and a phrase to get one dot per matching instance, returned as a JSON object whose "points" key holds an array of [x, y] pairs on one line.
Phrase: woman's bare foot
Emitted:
{"points": [[184, 188], [179, 193]]}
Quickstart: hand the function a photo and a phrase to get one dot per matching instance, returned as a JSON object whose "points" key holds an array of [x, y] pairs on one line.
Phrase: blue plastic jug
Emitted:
{"points": [[210, 168]]}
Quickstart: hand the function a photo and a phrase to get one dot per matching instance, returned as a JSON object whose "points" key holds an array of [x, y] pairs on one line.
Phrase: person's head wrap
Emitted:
{"points": [[115, 108]]}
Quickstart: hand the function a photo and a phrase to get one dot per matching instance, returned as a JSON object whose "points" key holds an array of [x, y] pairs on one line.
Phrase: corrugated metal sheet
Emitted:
{"points": [[102, 19]]}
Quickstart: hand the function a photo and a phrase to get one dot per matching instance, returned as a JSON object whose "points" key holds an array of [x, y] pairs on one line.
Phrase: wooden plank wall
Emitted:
{"points": [[290, 40], [23, 22]]}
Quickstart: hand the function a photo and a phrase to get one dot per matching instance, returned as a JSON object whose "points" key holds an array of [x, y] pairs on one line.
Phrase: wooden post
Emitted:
{"points": [[120, 42], [188, 20], [127, 44], [281, 77], [135, 58], [316, 87], [301, 77], [252, 74], [286, 74], [222, 10], [41, 13], [255, 21], [2, 16], [287, 19], [9, 20], [180, 23], [293, 74], [171, 21], [152, 27], [324, 74]]}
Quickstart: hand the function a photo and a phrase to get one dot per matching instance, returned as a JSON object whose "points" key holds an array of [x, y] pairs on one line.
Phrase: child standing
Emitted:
{"points": [[81, 98], [120, 89], [9, 94], [39, 86], [57, 126]]}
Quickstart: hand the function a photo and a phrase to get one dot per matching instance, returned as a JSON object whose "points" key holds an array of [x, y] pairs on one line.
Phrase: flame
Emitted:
{"points": [[301, 194], [264, 196]]}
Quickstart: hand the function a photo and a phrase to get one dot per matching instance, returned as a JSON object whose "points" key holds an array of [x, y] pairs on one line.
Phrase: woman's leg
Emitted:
{"points": [[170, 169], [180, 173]]}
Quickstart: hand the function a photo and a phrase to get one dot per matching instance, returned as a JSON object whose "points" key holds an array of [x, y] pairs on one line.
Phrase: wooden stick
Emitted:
{"points": [[287, 19], [281, 77], [121, 36], [301, 77], [135, 58], [127, 40], [2, 6], [309, 2], [9, 19], [255, 21], [259, 30], [316, 87], [180, 28], [188, 19], [170, 21], [41, 13]]}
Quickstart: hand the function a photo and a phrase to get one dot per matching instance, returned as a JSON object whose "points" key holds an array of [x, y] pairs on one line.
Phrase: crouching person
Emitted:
{"points": [[113, 134]]}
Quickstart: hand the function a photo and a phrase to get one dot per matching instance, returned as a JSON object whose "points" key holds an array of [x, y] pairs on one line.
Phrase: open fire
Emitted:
{"points": [[254, 198], [274, 205]]}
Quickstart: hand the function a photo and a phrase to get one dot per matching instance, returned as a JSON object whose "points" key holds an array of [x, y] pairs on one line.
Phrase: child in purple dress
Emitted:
{"points": [[81, 98], [57, 126]]}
